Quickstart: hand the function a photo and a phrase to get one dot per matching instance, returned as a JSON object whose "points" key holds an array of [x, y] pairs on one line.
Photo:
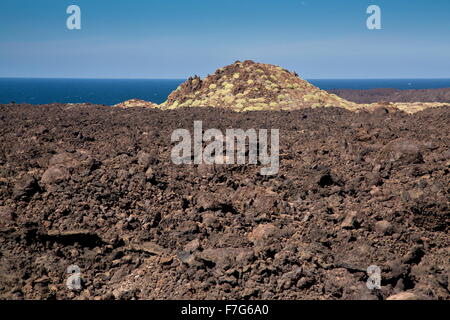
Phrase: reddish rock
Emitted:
{"points": [[54, 174], [384, 227], [6, 213], [263, 233]]}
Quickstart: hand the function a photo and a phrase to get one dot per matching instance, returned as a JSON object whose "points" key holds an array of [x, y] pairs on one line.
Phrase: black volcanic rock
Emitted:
{"points": [[353, 190]]}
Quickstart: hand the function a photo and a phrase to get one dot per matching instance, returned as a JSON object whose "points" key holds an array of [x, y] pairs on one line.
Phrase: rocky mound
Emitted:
{"points": [[132, 103], [95, 186], [407, 107], [246, 86]]}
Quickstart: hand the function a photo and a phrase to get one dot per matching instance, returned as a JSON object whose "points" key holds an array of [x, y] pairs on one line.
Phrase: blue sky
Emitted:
{"points": [[179, 38]]}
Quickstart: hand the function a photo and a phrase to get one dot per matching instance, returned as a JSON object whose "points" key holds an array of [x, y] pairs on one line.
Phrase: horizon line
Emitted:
{"points": [[308, 79]]}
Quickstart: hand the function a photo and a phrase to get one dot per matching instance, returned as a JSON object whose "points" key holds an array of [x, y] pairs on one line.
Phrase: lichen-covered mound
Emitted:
{"points": [[136, 103], [246, 86], [408, 107]]}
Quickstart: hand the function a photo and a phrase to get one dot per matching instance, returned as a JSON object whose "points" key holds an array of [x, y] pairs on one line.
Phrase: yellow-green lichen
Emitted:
{"points": [[256, 100], [174, 105], [256, 107], [228, 99], [199, 103], [241, 101], [228, 86]]}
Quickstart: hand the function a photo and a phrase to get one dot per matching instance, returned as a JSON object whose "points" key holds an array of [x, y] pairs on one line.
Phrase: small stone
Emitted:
{"points": [[187, 258], [358, 291], [25, 187], [192, 246], [123, 174], [126, 259], [123, 294], [6, 213], [262, 233], [384, 227], [207, 201], [144, 159], [43, 279], [305, 282], [74, 253], [377, 168], [402, 151], [149, 247], [375, 191], [150, 173], [188, 227], [414, 255], [63, 159], [415, 194], [211, 220], [166, 260], [244, 256], [403, 296], [264, 202], [222, 257], [116, 263], [250, 292], [350, 221], [55, 174]]}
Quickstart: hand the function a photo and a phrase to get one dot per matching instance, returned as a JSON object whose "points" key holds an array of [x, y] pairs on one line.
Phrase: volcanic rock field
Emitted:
{"points": [[94, 186]]}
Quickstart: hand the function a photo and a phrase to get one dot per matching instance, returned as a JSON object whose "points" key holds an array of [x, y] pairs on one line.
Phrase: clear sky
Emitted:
{"points": [[180, 38]]}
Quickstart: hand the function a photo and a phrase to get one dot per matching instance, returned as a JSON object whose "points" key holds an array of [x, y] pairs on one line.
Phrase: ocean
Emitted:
{"points": [[113, 91]]}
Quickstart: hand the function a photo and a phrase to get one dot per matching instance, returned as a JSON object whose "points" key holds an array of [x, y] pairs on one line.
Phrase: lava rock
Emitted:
{"points": [[55, 174], [25, 187], [384, 227]]}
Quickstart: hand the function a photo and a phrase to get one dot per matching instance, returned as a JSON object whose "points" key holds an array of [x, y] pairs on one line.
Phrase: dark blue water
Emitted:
{"points": [[99, 91], [402, 84], [112, 91]]}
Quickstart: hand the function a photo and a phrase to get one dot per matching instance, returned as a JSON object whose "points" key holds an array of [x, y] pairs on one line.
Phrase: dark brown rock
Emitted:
{"points": [[55, 174]]}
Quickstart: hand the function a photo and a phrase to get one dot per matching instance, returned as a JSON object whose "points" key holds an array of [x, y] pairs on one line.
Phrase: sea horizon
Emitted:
{"points": [[110, 91], [308, 79]]}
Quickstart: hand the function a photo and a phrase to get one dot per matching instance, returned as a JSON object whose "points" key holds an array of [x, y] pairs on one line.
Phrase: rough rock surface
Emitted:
{"points": [[94, 186]]}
